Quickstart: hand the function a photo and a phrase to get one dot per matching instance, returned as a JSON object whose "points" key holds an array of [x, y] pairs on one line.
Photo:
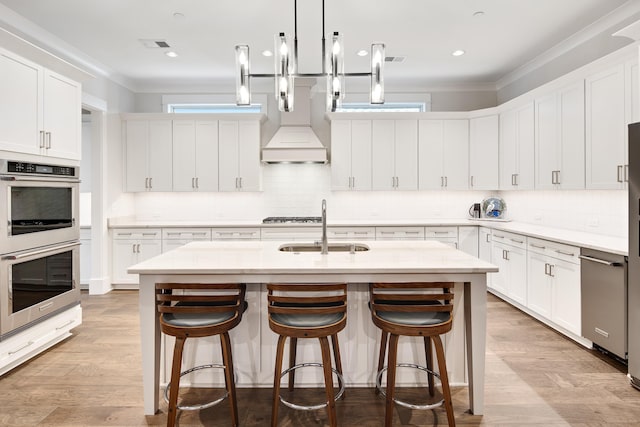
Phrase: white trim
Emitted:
{"points": [[587, 33], [222, 98], [94, 103]]}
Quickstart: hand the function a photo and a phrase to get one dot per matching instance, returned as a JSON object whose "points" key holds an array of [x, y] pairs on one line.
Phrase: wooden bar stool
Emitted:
{"points": [[195, 310], [308, 311], [412, 309]]}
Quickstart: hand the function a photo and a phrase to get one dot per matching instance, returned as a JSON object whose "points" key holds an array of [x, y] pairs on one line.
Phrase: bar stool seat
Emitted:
{"points": [[194, 310], [412, 309], [307, 311]]}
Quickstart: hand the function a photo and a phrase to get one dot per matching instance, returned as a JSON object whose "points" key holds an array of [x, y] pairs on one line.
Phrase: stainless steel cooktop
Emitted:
{"points": [[292, 220]]}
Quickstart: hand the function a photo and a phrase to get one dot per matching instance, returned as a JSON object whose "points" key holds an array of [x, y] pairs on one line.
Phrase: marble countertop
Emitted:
{"points": [[263, 257], [613, 244]]}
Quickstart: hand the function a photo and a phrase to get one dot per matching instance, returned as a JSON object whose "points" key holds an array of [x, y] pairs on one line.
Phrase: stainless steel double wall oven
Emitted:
{"points": [[39, 242]]}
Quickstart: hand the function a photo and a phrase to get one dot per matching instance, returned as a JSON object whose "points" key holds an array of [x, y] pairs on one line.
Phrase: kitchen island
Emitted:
{"points": [[259, 262]]}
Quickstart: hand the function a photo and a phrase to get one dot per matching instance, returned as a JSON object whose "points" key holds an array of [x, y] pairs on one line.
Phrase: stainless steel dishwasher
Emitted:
{"points": [[604, 300]]}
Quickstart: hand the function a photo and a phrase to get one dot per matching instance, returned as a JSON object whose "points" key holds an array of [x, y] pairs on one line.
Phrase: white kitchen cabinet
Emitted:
{"points": [[468, 240], [239, 155], [443, 153], [235, 233], [553, 273], [606, 153], [195, 155], [447, 235], [351, 154], [517, 148], [484, 136], [85, 256], [131, 246], [173, 238], [484, 250], [509, 253], [40, 109], [307, 234], [560, 139], [351, 233], [395, 155], [400, 233], [148, 155]]}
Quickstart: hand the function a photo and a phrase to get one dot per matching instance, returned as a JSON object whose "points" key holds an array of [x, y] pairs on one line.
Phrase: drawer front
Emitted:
{"points": [[137, 233], [441, 232], [310, 234], [242, 233], [186, 233], [400, 233], [342, 233], [511, 239]]}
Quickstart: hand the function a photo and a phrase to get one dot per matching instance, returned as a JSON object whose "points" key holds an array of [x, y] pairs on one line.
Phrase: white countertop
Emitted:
{"points": [[263, 257]]}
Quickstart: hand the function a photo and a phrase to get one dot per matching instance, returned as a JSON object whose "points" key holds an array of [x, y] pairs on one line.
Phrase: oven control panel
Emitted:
{"points": [[41, 169]]}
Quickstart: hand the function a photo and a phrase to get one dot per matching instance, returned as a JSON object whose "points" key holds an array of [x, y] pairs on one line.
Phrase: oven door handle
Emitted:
{"points": [[39, 179], [601, 261], [39, 251]]}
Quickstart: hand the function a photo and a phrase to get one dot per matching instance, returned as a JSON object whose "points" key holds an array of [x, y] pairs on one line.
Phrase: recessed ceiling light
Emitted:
{"points": [[458, 52], [171, 54], [267, 53], [479, 13], [362, 52]]}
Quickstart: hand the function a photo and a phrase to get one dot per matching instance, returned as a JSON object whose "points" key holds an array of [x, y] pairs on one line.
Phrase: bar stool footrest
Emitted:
{"points": [[204, 405], [312, 407], [403, 403]]}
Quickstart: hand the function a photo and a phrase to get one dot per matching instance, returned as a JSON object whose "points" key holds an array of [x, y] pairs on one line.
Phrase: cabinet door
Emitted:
{"points": [[566, 309], [184, 155], [430, 154], [456, 154], [605, 129], [547, 142], [206, 155], [360, 154], [539, 285], [406, 154], [228, 152], [62, 116], [148, 249], [383, 154], [508, 149], [517, 275], [124, 255], [526, 148], [483, 153], [20, 104], [571, 118], [249, 155], [137, 139], [341, 154], [499, 279], [159, 152], [468, 240], [484, 244]]}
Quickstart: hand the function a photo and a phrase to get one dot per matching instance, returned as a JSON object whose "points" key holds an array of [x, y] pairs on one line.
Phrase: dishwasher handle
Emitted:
{"points": [[601, 261]]}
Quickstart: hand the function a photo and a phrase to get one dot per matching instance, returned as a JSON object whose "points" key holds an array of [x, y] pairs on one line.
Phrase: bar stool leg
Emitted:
{"points": [[336, 355], [428, 351], [229, 377], [328, 381], [175, 381], [293, 346], [444, 379], [276, 381], [383, 352], [391, 379]]}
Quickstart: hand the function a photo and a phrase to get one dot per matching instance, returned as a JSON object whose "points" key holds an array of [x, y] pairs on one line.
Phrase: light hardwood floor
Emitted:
{"points": [[534, 377]]}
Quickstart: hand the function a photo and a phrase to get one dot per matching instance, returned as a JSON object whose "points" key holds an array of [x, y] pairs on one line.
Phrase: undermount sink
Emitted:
{"points": [[317, 247]]}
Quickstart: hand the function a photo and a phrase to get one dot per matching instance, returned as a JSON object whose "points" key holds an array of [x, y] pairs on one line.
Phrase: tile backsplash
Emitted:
{"points": [[297, 190]]}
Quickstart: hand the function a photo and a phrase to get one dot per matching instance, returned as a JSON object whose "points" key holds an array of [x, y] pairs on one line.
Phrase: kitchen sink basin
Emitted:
{"points": [[317, 247]]}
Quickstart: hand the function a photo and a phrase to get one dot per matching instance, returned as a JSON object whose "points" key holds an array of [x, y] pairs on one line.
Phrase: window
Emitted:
{"points": [[213, 103], [214, 108], [361, 107]]}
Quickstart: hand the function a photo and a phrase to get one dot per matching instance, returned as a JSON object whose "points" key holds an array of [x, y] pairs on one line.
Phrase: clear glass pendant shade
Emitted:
{"points": [[377, 75], [285, 69], [335, 71], [243, 88]]}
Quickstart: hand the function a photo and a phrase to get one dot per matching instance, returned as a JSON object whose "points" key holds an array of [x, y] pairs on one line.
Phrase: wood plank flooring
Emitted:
{"points": [[535, 377]]}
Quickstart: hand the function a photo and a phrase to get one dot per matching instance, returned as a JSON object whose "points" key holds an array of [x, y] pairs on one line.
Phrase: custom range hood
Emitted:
{"points": [[295, 141]]}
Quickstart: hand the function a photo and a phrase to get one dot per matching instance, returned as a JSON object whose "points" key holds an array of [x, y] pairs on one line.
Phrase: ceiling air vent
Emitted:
{"points": [[394, 58], [154, 43]]}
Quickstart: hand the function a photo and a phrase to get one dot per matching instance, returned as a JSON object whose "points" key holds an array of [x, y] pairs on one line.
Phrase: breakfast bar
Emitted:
{"points": [[258, 262]]}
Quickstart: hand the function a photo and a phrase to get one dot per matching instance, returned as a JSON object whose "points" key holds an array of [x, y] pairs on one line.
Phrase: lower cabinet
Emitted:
{"points": [[446, 235], [553, 276], [173, 238], [129, 247], [509, 254], [85, 256]]}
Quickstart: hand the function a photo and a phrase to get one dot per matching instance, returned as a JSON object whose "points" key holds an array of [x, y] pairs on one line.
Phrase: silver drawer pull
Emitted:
{"points": [[537, 246], [601, 332], [497, 236], [565, 253], [517, 241], [65, 325], [30, 343]]}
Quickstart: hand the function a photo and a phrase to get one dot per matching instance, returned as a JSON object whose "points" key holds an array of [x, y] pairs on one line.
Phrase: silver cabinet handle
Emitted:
{"points": [[537, 246], [38, 252], [48, 145], [442, 181], [558, 177], [146, 183], [193, 183], [513, 179], [517, 241], [626, 173], [150, 182], [550, 270], [546, 269], [446, 181], [472, 180], [565, 253], [619, 178], [133, 248], [487, 237], [12, 352], [41, 139], [237, 182], [64, 325], [601, 261], [497, 236], [197, 182], [240, 181]]}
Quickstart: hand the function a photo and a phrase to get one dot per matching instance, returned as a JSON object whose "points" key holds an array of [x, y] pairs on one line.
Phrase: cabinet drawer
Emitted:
{"points": [[555, 250], [511, 239], [400, 233], [362, 233], [441, 232], [137, 233], [186, 234], [310, 234], [235, 233]]}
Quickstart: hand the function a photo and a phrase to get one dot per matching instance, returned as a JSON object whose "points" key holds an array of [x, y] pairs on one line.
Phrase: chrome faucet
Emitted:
{"points": [[325, 245]]}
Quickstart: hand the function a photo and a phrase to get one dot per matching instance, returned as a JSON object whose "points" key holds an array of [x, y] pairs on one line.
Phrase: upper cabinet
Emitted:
{"points": [[239, 155], [394, 154], [40, 109], [351, 154], [559, 139], [195, 155], [517, 148], [443, 152], [148, 155], [483, 153], [606, 145]]}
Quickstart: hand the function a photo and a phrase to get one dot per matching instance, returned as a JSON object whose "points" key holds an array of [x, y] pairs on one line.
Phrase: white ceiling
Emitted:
{"points": [[107, 33]]}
